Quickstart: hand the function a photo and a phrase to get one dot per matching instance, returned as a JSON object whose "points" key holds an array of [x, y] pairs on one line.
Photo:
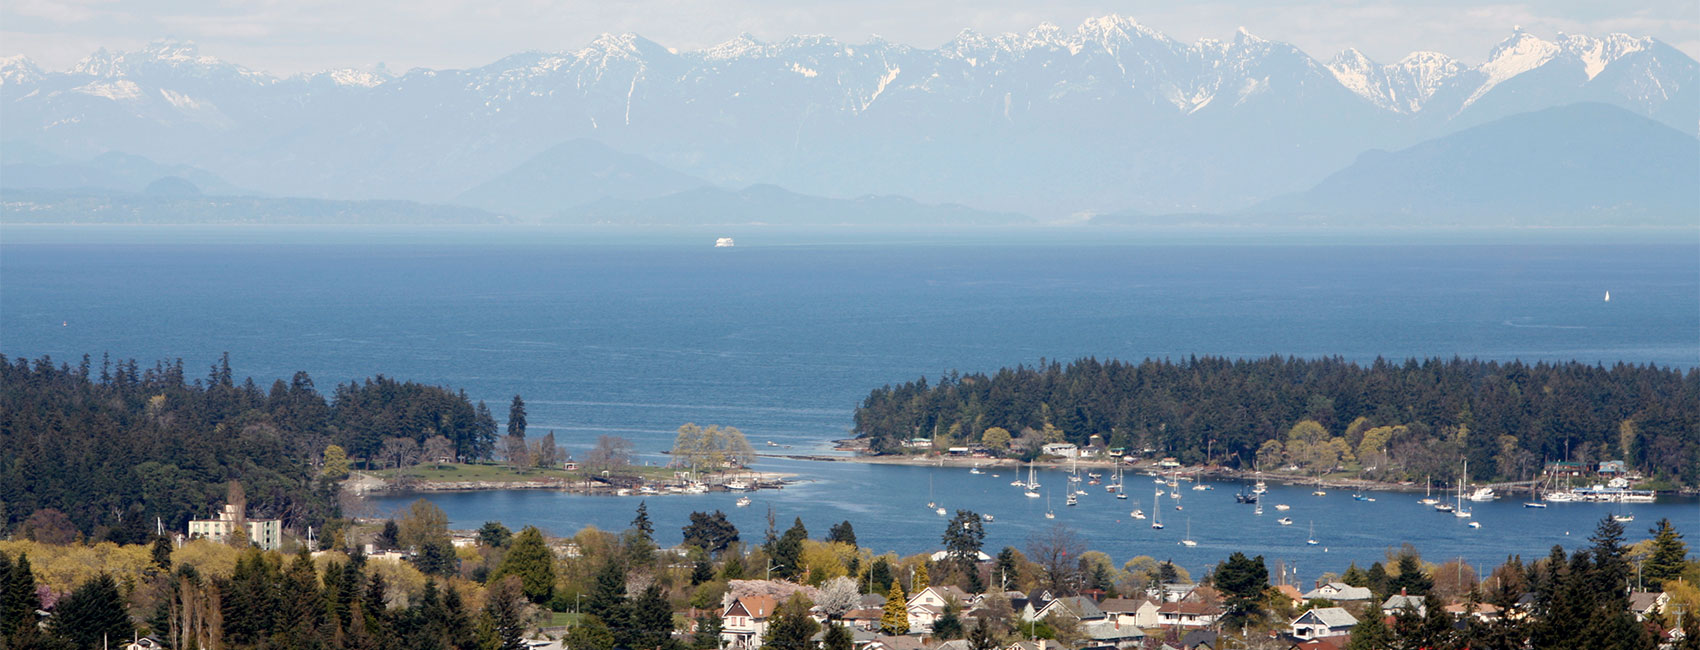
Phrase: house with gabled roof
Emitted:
{"points": [[1138, 612], [1644, 604], [1400, 602], [927, 605], [744, 622], [1339, 592], [1188, 614], [1077, 607], [1323, 622], [1107, 633]]}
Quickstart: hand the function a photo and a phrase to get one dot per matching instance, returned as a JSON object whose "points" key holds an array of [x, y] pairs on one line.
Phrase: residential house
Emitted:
{"points": [[143, 643], [1339, 592], [1324, 643], [1108, 633], [1041, 644], [1323, 622], [1482, 611], [1188, 614], [1398, 602], [744, 622], [1612, 468], [864, 619], [1060, 449], [1200, 640], [927, 605], [1171, 591], [980, 556], [1077, 607], [1138, 612], [1644, 604], [1028, 606], [264, 533], [1292, 594], [886, 642]]}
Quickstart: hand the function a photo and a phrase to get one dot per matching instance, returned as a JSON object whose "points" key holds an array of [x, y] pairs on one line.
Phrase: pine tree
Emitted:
{"points": [[837, 637], [1668, 558], [529, 558], [93, 615], [516, 418], [608, 592], [707, 636], [162, 553], [651, 620], [17, 610], [641, 522], [791, 627], [895, 619], [458, 630], [1371, 632], [504, 607], [842, 533]]}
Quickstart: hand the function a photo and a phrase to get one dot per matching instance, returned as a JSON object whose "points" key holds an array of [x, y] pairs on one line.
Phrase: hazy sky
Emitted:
{"points": [[290, 36]]}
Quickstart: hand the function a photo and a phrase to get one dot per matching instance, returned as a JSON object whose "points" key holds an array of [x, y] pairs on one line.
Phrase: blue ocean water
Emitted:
{"points": [[633, 334]]}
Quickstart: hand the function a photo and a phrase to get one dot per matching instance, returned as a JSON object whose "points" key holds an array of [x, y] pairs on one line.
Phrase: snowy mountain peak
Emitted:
{"points": [[739, 46], [18, 69], [1402, 87], [1597, 53], [1518, 53], [353, 77]]}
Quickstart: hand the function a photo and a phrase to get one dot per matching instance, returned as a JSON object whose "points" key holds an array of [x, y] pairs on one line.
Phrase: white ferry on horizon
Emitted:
{"points": [[723, 242]]}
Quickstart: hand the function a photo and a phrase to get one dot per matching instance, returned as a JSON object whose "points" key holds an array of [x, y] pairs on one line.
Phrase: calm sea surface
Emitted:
{"points": [[634, 334]]}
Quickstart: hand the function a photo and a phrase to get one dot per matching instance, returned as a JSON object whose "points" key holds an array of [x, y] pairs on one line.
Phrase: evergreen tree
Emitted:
{"points": [[17, 610], [641, 522], [1376, 579], [437, 558], [1006, 570], [651, 620], [842, 532], [837, 637], [458, 629], [504, 608], [301, 607], [920, 580], [707, 636], [895, 619], [162, 553], [791, 627], [712, 533], [879, 574], [1411, 579], [608, 592], [494, 535], [592, 634], [980, 636], [1668, 558], [702, 571], [390, 537], [516, 418], [787, 551], [1611, 568], [93, 615], [1371, 632], [529, 558], [949, 623], [1243, 581]]}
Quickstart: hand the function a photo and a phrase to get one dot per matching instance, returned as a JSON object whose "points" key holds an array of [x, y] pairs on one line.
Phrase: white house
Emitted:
{"points": [[927, 605], [1138, 612], [1339, 592], [1322, 623], [1063, 449], [744, 622], [264, 533], [1188, 614], [1399, 602]]}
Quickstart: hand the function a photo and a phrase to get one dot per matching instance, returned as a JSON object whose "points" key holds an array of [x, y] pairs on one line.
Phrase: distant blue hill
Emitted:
{"points": [[773, 205], [574, 173], [1577, 165], [32, 168]]}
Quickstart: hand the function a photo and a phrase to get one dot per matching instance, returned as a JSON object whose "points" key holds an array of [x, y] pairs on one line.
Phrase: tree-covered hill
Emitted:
{"points": [[119, 446], [1418, 416]]}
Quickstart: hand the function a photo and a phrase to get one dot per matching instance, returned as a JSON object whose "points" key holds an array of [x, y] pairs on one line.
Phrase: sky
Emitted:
{"points": [[285, 37]]}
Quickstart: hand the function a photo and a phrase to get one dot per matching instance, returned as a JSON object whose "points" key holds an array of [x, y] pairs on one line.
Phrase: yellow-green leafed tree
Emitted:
{"points": [[65, 567], [895, 619], [824, 561], [209, 558], [921, 580], [336, 463], [404, 581], [995, 438]]}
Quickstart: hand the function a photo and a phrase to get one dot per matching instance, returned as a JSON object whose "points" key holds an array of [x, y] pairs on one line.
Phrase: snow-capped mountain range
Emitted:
{"points": [[1112, 115]]}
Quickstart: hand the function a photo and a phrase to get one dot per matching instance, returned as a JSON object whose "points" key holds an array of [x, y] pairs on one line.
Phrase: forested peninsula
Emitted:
{"points": [[1392, 420], [112, 450]]}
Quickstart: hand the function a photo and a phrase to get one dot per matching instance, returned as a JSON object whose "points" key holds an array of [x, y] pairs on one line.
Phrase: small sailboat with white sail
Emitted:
{"points": [[1187, 541], [1157, 510], [1312, 540]]}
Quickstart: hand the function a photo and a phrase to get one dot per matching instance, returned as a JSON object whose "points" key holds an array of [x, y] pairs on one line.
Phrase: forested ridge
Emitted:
{"points": [[1426, 415], [120, 446]]}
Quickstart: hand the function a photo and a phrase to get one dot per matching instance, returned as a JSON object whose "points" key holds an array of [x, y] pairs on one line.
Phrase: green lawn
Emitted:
{"points": [[558, 619]]}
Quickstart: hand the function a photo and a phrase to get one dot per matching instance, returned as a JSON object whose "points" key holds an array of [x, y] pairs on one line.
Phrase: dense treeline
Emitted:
{"points": [[121, 447], [1646, 415]]}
